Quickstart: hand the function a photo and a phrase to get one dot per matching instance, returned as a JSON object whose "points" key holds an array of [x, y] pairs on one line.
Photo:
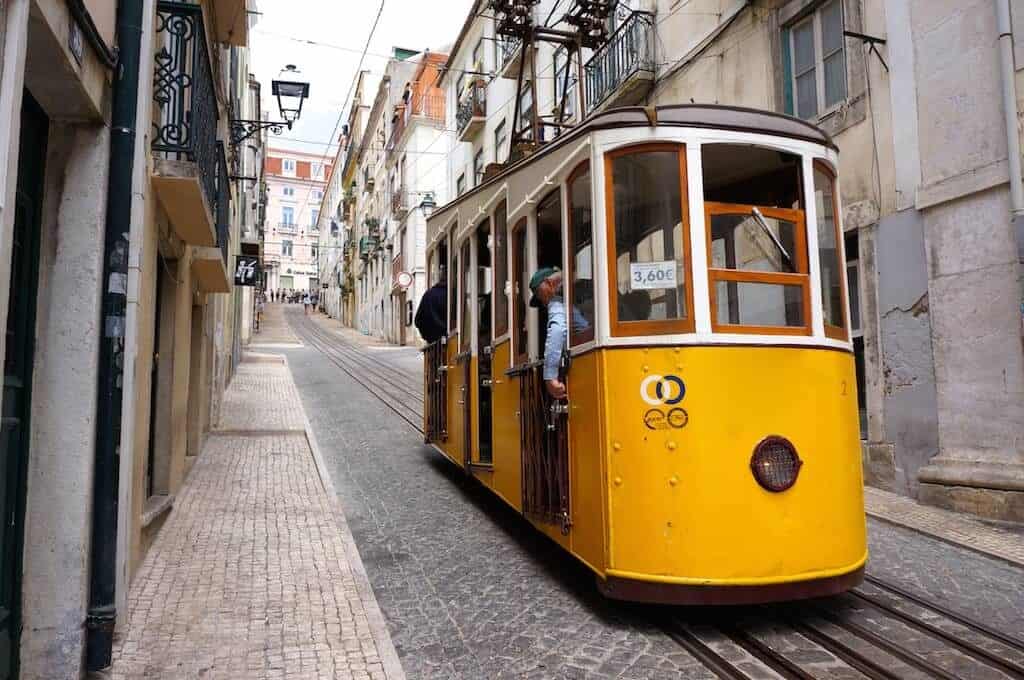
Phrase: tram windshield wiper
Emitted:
{"points": [[761, 222]]}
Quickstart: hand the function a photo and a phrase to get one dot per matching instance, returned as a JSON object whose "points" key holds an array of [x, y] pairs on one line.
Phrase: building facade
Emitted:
{"points": [[295, 186], [118, 222], [923, 103]]}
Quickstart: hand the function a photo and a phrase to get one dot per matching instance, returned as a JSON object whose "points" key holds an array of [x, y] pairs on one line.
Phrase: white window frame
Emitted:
{"points": [[288, 166], [290, 250], [289, 191], [478, 172], [314, 218], [500, 142], [819, 62], [288, 215]]}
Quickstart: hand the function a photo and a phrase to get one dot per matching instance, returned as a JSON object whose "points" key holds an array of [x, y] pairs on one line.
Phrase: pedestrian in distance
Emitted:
{"points": [[430, 316], [546, 286], [307, 302]]}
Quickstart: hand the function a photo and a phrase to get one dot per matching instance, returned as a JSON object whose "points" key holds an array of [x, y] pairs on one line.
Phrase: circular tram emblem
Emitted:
{"points": [[656, 390]]}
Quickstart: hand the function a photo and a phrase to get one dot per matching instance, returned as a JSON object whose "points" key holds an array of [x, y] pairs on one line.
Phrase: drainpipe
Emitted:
{"points": [[1007, 70], [103, 550]]}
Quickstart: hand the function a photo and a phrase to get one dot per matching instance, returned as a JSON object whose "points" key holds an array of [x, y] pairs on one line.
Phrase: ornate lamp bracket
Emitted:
{"points": [[242, 130]]}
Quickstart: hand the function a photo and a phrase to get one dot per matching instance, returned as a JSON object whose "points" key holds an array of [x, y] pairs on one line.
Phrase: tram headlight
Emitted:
{"points": [[775, 463]]}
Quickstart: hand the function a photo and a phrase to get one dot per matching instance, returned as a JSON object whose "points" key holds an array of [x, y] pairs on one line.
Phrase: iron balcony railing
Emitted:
{"points": [[400, 202], [630, 50], [429, 106], [507, 48], [473, 104], [185, 120], [287, 227]]}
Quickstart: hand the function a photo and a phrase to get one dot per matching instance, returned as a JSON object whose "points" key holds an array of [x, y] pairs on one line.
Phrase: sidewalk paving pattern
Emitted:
{"points": [[254, 574]]}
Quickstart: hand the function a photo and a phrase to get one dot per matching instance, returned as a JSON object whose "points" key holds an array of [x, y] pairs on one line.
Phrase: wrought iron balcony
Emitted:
{"points": [[287, 227], [184, 94], [400, 202], [621, 71], [472, 113], [367, 244]]}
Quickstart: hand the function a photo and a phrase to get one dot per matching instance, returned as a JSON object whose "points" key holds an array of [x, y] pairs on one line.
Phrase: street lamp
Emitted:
{"points": [[290, 93]]}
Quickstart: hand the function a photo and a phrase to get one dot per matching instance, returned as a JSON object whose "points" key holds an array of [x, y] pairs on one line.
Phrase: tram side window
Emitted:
{"points": [[483, 284], [453, 293], [581, 276], [500, 271], [520, 293], [466, 293], [829, 256], [758, 252], [650, 286], [549, 246]]}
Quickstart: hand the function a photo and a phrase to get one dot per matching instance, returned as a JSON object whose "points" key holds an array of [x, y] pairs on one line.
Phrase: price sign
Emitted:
{"points": [[652, 275]]}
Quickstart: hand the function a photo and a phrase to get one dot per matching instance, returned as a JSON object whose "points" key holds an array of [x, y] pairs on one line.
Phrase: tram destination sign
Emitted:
{"points": [[247, 270]]}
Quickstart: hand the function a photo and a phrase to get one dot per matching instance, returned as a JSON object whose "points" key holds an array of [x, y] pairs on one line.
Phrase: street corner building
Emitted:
{"points": [[126, 194]]}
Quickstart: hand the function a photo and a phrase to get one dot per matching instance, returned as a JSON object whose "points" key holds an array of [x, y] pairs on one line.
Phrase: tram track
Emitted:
{"points": [[837, 627]]}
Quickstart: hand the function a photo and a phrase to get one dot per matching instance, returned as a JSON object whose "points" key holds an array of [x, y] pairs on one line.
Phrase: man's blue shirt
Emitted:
{"points": [[555, 342]]}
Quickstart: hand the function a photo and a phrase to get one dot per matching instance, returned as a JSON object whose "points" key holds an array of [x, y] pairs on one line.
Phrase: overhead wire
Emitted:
{"points": [[348, 96]]}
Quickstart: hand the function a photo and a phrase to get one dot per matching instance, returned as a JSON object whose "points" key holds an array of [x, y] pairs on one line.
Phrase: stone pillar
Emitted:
{"points": [[973, 268], [63, 424]]}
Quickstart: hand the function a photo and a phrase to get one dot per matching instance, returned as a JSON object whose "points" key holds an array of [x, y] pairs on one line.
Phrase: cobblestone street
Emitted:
{"points": [[470, 590]]}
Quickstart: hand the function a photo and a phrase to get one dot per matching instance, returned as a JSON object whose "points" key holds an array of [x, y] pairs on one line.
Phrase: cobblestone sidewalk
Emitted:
{"points": [[274, 330], [255, 574]]}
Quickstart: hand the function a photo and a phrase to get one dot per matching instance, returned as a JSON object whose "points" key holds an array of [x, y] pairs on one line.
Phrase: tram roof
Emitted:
{"points": [[711, 116]]}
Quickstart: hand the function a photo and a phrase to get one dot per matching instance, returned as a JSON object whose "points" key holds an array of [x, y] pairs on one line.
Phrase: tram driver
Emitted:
{"points": [[546, 286]]}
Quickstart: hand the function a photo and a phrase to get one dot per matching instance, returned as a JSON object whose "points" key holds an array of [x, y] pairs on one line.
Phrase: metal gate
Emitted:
{"points": [[18, 362], [435, 389], [544, 433]]}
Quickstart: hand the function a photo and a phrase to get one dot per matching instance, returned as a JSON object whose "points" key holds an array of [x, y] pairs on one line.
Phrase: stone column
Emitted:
{"points": [[974, 273]]}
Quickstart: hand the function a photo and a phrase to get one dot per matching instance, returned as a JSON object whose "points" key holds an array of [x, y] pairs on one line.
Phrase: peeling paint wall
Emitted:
{"points": [[908, 388]]}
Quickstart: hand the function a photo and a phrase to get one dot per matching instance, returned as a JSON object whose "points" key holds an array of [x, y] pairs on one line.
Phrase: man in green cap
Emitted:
{"points": [[546, 286]]}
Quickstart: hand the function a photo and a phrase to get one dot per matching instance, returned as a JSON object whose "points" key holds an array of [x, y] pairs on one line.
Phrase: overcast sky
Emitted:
{"points": [[286, 28]]}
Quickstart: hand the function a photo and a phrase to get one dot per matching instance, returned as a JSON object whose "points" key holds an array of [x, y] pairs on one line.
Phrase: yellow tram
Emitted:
{"points": [[708, 451]]}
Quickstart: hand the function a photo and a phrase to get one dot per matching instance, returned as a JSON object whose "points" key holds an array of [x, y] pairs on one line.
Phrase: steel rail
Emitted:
{"points": [[969, 648], [888, 647], [1008, 640], [765, 653], [701, 651], [390, 375], [848, 655], [363, 361], [387, 399]]}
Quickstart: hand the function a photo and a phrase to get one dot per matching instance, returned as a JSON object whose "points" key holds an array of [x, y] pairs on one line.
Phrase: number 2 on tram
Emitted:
{"points": [[708, 451]]}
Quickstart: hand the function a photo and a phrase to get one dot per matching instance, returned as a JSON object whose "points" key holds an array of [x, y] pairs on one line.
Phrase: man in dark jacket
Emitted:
{"points": [[430, 317]]}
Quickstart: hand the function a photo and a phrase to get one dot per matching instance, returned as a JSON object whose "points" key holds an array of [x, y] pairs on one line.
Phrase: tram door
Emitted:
{"points": [[485, 361], [465, 355], [544, 427], [18, 362]]}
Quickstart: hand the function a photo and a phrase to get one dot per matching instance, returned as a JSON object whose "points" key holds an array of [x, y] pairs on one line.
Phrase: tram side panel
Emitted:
{"points": [[507, 477], [587, 469], [452, 447], [684, 505]]}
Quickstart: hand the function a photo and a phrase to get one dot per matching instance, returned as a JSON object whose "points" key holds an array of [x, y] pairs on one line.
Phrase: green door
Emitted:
{"points": [[18, 374]]}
